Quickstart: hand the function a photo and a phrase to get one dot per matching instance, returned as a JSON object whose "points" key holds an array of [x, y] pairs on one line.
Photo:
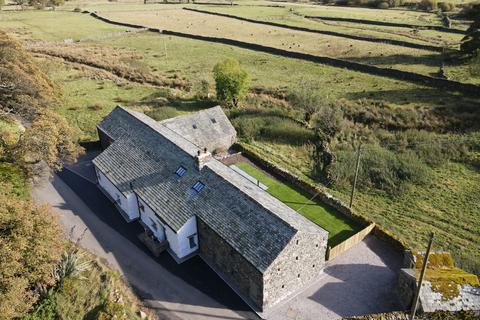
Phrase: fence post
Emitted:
{"points": [[420, 280]]}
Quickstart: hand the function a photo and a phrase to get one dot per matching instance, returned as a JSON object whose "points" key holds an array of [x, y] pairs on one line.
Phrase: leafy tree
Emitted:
{"points": [[27, 92], [30, 247], [328, 122], [307, 98], [49, 139], [231, 81]]}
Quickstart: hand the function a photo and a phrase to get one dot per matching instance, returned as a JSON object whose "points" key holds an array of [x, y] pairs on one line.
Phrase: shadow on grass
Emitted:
{"points": [[431, 60], [341, 236]]}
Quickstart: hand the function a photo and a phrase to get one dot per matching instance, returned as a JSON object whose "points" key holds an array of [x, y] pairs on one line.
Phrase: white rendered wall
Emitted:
{"points": [[179, 242], [147, 215], [128, 204]]}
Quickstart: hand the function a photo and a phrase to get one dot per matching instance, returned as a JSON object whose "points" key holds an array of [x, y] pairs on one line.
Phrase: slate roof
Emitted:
{"points": [[209, 128], [145, 156]]}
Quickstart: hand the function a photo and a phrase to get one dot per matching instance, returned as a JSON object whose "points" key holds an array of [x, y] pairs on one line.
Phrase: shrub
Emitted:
{"points": [[202, 89], [329, 120], [471, 10], [162, 113], [231, 81], [96, 106], [380, 169], [45, 310], [306, 98], [432, 148], [474, 67], [428, 5], [272, 128], [383, 5], [446, 6]]}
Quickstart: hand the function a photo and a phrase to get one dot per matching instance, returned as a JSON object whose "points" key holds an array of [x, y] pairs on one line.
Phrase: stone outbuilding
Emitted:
{"points": [[445, 287], [163, 174]]}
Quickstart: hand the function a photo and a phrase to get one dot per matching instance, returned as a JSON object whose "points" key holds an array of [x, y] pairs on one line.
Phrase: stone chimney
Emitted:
{"points": [[202, 158]]}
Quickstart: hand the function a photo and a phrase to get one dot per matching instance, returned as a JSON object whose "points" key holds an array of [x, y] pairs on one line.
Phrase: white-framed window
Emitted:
{"points": [[181, 171]]}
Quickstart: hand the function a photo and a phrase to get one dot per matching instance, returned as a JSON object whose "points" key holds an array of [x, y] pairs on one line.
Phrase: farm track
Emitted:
{"points": [[448, 85], [324, 32], [388, 24]]}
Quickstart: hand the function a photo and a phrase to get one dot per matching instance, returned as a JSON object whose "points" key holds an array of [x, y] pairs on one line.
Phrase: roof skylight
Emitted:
{"points": [[180, 171]]}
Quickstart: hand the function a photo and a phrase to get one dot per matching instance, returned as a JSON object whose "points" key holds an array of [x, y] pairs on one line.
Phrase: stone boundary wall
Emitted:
{"points": [[332, 253], [449, 85], [322, 195], [389, 24], [329, 33]]}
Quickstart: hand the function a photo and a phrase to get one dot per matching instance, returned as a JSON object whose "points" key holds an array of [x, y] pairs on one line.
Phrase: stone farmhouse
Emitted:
{"points": [[166, 176]]}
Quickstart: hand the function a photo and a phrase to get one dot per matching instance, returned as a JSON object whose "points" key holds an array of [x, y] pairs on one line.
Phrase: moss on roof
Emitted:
{"points": [[444, 276]]}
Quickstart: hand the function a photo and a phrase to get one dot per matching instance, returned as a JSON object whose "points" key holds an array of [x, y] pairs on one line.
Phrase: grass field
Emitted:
{"points": [[398, 57], [50, 25], [448, 205], [338, 226], [293, 15]]}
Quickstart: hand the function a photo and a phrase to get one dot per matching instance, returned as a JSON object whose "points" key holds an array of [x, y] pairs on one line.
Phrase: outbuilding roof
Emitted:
{"points": [[209, 128], [144, 158]]}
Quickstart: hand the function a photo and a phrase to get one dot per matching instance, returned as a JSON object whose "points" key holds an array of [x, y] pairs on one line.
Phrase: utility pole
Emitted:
{"points": [[356, 175], [420, 280]]}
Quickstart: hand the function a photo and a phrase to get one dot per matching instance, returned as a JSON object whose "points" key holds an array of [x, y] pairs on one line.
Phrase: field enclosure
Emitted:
{"points": [[159, 74]]}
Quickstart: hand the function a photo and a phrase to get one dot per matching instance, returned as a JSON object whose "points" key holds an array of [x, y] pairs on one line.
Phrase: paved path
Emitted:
{"points": [[361, 281]]}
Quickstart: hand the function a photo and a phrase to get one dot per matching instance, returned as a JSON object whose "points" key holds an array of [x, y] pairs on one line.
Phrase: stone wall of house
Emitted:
{"points": [[234, 268], [300, 263], [430, 300]]}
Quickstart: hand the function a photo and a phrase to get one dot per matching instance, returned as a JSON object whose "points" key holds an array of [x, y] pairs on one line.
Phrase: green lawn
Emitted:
{"points": [[338, 226]]}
